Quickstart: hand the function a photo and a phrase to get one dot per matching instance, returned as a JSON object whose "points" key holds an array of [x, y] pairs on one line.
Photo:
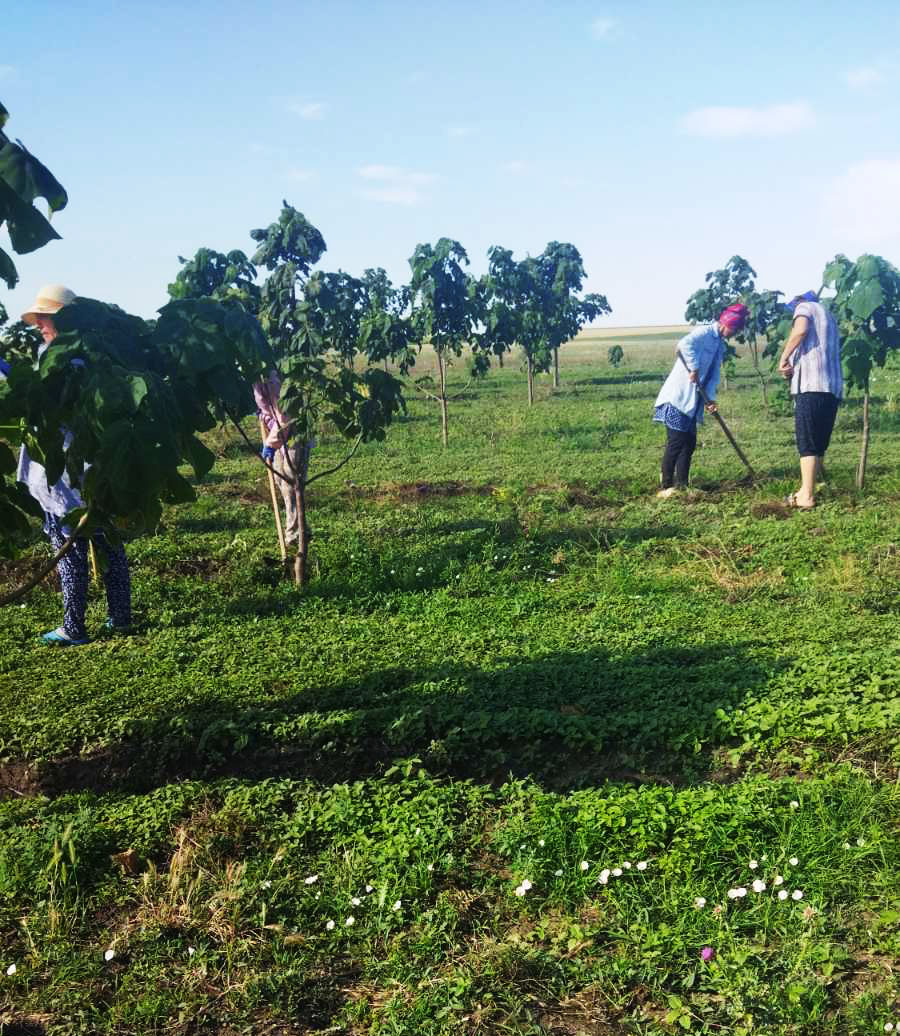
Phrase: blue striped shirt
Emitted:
{"points": [[817, 360]]}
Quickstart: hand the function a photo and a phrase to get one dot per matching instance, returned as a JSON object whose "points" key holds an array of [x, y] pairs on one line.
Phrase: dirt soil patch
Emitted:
{"points": [[15, 572]]}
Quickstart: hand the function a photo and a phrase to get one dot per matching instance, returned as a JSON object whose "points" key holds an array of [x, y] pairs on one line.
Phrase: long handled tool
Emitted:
{"points": [[720, 419], [274, 495]]}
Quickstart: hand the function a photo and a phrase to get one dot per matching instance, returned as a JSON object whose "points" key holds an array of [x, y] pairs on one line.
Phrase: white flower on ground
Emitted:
{"points": [[759, 885], [418, 831], [541, 842], [860, 842], [740, 892], [793, 861], [329, 926], [778, 880], [797, 894], [191, 951], [794, 804], [430, 867], [584, 865], [558, 873], [753, 865], [526, 884], [699, 902], [356, 900], [266, 885], [11, 970], [732, 893], [108, 956], [627, 865], [604, 877], [311, 880], [397, 904], [642, 866], [782, 894], [351, 920], [369, 888], [617, 872], [888, 1026], [846, 845], [519, 891]]}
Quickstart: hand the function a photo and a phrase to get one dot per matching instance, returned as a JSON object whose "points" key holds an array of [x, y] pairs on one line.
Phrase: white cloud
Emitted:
{"points": [[861, 204], [863, 76], [601, 28], [394, 185], [313, 111], [775, 120]]}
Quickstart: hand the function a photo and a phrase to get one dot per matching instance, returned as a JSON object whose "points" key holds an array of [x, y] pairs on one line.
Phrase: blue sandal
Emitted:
{"points": [[59, 638]]}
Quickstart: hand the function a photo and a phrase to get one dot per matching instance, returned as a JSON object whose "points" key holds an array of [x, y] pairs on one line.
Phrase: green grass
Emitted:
{"points": [[513, 664]]}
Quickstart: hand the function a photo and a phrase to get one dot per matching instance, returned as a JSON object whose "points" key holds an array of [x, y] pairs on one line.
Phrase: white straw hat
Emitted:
{"points": [[50, 299]]}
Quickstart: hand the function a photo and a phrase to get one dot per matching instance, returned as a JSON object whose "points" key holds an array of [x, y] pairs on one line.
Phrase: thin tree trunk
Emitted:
{"points": [[301, 562], [500, 360], [530, 381], [556, 368], [385, 365], [864, 451], [443, 397]]}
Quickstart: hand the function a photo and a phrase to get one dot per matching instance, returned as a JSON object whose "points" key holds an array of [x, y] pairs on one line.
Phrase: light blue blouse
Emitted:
{"points": [[703, 349]]}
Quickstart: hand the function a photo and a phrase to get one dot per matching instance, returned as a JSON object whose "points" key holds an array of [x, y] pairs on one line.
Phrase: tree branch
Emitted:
{"points": [[46, 569], [337, 467]]}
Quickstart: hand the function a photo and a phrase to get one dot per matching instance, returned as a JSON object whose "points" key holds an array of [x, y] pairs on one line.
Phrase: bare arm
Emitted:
{"points": [[794, 341]]}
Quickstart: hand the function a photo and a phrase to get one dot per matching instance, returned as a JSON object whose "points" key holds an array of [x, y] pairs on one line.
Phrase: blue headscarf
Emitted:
{"points": [[807, 296]]}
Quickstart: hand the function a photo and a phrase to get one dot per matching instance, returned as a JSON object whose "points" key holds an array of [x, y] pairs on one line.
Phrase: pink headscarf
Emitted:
{"points": [[734, 317]]}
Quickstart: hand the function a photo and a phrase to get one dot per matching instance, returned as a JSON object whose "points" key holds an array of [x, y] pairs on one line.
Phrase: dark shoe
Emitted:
{"points": [[110, 627]]}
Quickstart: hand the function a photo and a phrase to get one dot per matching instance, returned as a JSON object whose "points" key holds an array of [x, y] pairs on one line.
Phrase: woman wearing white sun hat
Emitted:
{"points": [[61, 498]]}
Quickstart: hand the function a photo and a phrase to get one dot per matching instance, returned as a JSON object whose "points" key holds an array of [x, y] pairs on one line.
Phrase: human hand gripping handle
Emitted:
{"points": [[267, 453]]}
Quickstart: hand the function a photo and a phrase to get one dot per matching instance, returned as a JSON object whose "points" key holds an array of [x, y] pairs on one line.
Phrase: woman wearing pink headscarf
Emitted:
{"points": [[679, 406]]}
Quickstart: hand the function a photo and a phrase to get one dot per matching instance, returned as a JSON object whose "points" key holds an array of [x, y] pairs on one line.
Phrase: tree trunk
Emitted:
{"points": [[443, 397], [864, 451], [301, 561], [385, 365], [556, 368], [500, 360], [530, 381]]}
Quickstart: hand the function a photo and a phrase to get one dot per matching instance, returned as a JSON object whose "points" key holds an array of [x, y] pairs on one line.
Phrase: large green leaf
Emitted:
{"points": [[30, 178], [8, 271], [28, 229], [866, 298]]}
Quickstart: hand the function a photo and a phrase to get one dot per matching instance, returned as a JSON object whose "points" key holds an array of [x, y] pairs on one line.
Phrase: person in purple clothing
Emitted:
{"points": [[61, 498], [811, 362], [280, 452]]}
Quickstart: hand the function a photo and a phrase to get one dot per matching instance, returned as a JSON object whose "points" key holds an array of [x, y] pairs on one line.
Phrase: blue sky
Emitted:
{"points": [[659, 138]]}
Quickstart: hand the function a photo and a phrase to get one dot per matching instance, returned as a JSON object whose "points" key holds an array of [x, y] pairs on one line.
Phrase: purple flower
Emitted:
{"points": [[707, 953]]}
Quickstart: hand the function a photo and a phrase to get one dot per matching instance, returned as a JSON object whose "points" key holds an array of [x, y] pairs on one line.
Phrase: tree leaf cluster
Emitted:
{"points": [[23, 180], [867, 307], [117, 403]]}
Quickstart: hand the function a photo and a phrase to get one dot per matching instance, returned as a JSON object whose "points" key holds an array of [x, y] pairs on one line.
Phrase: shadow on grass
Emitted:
{"points": [[623, 379], [567, 719]]}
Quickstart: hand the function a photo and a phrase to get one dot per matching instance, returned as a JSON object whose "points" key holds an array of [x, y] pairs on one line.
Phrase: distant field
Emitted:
{"points": [[648, 331]]}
